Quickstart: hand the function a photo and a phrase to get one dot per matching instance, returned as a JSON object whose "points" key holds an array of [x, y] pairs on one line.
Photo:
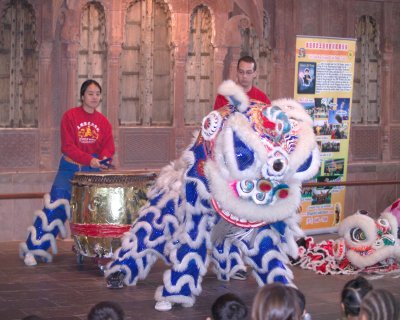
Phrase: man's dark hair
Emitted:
{"points": [[106, 310], [229, 307], [86, 84], [248, 59]]}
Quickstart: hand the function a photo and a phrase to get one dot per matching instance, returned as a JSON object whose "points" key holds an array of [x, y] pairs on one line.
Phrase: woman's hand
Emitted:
{"points": [[95, 163]]}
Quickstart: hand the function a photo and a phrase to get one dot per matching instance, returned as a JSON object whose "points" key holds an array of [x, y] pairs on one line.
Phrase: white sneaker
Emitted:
{"points": [[240, 275], [30, 259], [163, 305]]}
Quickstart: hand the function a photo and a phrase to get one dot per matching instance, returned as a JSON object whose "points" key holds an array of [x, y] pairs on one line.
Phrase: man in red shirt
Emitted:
{"points": [[246, 73]]}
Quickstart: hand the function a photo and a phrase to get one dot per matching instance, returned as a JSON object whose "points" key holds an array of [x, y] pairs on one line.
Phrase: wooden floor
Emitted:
{"points": [[65, 290]]}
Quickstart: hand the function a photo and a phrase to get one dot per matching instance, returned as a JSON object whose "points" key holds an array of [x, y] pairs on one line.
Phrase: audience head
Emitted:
{"points": [[106, 310], [229, 307], [352, 294], [32, 317], [380, 304], [301, 300], [276, 301]]}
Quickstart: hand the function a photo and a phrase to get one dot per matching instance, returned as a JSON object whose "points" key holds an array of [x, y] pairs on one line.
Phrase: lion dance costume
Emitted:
{"points": [[365, 245], [50, 222], [233, 195]]}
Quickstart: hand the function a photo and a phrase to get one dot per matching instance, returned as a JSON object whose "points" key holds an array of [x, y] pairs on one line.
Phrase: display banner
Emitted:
{"points": [[324, 75]]}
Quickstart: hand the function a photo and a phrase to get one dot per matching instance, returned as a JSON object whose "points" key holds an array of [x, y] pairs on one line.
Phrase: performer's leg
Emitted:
{"points": [[134, 259], [50, 221], [129, 267], [189, 264], [266, 259], [147, 240], [228, 263]]}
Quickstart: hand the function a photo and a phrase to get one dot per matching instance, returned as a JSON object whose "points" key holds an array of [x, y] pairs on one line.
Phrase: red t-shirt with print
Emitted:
{"points": [[83, 134]]}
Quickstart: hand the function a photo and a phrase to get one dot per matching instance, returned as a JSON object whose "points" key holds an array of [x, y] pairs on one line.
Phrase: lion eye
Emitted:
{"points": [[383, 222], [383, 225], [357, 235], [244, 155]]}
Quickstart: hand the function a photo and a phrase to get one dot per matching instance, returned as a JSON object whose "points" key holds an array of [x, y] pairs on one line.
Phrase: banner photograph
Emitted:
{"points": [[324, 73]]}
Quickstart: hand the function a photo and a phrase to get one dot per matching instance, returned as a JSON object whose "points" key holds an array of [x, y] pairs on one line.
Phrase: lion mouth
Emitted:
{"points": [[231, 218]]}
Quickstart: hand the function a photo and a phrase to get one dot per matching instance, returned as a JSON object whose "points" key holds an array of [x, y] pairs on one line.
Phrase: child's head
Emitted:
{"points": [[352, 294], [229, 307], [276, 301], [106, 310], [380, 304]]}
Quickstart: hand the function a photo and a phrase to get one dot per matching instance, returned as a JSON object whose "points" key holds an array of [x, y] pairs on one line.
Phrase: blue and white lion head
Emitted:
{"points": [[252, 158]]}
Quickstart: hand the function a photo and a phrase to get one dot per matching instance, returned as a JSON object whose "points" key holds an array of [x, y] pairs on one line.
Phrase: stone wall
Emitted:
{"points": [[267, 29]]}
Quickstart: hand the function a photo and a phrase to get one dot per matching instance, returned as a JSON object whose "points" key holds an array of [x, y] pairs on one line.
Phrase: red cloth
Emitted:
{"points": [[83, 134], [253, 93], [321, 258]]}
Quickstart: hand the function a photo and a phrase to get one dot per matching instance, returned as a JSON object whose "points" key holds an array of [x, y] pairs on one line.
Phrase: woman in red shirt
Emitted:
{"points": [[87, 145]]}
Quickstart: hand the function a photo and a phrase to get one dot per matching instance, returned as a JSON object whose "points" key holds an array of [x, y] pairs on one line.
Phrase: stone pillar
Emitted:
{"points": [[180, 55], [146, 72], [386, 90], [70, 21], [235, 55], [386, 83], [180, 41], [72, 67], [219, 58], [387, 65], [279, 68], [116, 27], [46, 124], [113, 83]]}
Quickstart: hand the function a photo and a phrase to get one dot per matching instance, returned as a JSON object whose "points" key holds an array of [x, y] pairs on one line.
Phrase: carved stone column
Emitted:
{"points": [[387, 82], [278, 31], [70, 21], [387, 66], [219, 58], [180, 55], [113, 55], [72, 67], [179, 49], [113, 83], [146, 72], [235, 54], [46, 122]]}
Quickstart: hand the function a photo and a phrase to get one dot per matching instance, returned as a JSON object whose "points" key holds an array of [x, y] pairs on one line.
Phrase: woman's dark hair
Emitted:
{"points": [[87, 83], [106, 310], [352, 294], [229, 307]]}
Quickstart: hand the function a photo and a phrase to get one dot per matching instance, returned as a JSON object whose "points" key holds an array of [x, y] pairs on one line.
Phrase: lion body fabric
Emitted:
{"points": [[231, 198], [365, 245]]}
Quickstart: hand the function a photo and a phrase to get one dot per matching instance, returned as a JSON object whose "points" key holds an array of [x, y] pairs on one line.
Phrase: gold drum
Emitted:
{"points": [[103, 207]]}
